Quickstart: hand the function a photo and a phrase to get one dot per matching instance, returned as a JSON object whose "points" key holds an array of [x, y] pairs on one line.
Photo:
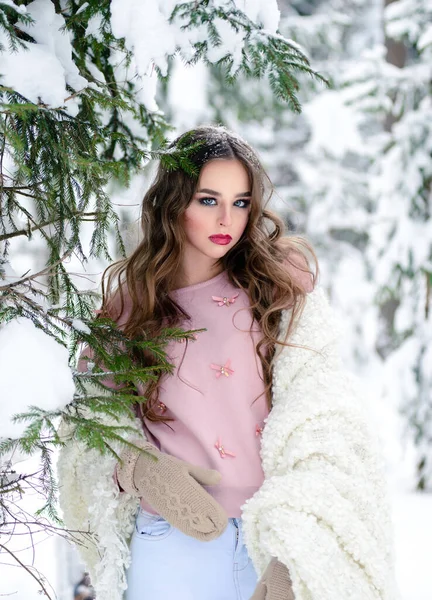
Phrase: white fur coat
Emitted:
{"points": [[322, 509]]}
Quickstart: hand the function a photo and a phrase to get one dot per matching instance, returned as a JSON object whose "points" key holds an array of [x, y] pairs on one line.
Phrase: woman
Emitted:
{"points": [[267, 483]]}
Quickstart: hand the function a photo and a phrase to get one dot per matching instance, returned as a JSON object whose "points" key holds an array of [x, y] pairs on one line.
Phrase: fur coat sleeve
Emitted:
{"points": [[99, 516], [322, 509]]}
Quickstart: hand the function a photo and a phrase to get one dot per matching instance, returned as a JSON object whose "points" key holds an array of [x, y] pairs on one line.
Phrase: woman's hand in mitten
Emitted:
{"points": [[275, 584], [174, 489]]}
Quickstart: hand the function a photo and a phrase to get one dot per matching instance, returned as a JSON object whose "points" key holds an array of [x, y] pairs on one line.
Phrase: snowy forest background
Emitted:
{"points": [[353, 172]]}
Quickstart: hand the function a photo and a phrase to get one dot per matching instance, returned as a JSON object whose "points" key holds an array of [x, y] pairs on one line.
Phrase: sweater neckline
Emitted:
{"points": [[198, 286]]}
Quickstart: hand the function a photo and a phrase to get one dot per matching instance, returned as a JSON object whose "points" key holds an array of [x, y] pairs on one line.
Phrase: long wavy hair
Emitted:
{"points": [[257, 263]]}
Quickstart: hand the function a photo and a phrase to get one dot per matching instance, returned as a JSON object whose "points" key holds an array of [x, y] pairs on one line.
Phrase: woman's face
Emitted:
{"points": [[219, 207]]}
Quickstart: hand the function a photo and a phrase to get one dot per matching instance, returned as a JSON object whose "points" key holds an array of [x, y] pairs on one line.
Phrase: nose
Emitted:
{"points": [[225, 217]]}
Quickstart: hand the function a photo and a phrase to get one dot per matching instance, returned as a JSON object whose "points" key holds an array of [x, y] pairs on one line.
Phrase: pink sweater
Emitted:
{"points": [[211, 393], [216, 392]]}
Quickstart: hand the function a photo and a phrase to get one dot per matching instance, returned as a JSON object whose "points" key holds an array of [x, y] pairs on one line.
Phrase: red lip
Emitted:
{"points": [[220, 239]]}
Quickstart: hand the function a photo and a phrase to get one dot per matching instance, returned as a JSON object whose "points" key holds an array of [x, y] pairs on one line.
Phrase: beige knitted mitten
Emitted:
{"points": [[275, 584], [174, 489]]}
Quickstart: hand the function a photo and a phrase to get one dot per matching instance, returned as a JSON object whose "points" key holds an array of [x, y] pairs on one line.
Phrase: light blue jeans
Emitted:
{"points": [[168, 565]]}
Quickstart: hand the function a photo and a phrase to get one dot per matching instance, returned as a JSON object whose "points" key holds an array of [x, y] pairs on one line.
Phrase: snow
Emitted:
{"points": [[27, 71], [337, 132], [188, 94], [146, 31], [425, 39], [80, 326], [233, 43], [33, 371], [413, 533], [82, 8], [47, 32], [20, 9], [264, 12], [93, 26], [7, 273], [40, 71], [146, 90]]}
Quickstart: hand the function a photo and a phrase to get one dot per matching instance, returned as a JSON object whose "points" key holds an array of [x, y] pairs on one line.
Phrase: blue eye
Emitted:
{"points": [[245, 203], [203, 201]]}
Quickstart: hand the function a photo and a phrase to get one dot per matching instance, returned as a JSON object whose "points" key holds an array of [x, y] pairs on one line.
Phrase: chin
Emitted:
{"points": [[222, 250]]}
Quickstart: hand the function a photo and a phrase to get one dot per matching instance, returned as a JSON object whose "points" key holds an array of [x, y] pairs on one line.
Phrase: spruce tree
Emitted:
{"points": [[88, 117], [390, 91], [401, 235]]}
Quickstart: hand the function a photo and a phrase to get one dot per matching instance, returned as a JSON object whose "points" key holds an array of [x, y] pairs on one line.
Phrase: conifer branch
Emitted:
{"points": [[82, 216]]}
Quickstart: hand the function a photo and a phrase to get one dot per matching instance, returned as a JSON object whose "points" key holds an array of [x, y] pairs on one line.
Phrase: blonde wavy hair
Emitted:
{"points": [[257, 263]]}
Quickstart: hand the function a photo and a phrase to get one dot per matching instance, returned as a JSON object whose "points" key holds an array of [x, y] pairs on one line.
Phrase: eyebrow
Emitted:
{"points": [[207, 191]]}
